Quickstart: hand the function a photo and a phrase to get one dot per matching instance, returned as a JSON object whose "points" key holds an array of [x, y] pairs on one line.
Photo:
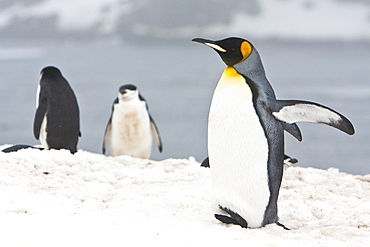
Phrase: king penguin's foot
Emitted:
{"points": [[226, 219], [234, 218], [281, 225]]}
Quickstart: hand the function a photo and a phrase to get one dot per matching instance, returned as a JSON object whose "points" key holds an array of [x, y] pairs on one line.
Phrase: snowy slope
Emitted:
{"points": [[53, 198]]}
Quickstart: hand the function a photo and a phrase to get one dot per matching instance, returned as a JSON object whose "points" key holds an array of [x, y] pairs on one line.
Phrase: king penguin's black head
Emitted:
{"points": [[231, 50]]}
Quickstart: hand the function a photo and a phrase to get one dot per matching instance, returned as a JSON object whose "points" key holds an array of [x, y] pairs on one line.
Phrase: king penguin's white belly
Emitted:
{"points": [[131, 133], [238, 151]]}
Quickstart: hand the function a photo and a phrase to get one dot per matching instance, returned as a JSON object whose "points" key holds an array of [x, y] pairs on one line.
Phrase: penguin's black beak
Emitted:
{"points": [[209, 43], [203, 41]]}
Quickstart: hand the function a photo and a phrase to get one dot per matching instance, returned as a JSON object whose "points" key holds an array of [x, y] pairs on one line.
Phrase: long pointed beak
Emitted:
{"points": [[203, 41], [209, 43]]}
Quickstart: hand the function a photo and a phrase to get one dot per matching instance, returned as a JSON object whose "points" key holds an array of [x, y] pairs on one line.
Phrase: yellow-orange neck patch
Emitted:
{"points": [[230, 72], [230, 77]]}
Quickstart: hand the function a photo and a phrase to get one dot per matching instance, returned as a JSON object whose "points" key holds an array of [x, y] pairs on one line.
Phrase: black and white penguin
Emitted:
{"points": [[130, 127], [246, 136], [57, 117]]}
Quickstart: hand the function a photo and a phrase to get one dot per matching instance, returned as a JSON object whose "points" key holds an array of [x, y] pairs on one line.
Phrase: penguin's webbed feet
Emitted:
{"points": [[226, 219], [234, 218]]}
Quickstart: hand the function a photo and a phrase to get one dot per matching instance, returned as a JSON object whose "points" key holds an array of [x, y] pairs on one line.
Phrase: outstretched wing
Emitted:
{"points": [[292, 111], [108, 129]]}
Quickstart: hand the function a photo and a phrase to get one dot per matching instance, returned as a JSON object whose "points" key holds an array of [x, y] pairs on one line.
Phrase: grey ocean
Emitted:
{"points": [[178, 83]]}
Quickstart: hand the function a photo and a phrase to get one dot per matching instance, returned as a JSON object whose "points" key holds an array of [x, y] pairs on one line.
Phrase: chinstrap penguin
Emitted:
{"points": [[130, 126]]}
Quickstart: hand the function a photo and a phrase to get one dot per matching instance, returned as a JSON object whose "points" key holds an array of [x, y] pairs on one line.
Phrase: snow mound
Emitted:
{"points": [[54, 198]]}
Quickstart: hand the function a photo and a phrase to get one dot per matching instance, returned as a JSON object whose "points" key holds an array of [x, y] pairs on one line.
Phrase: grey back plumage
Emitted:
{"points": [[252, 69]]}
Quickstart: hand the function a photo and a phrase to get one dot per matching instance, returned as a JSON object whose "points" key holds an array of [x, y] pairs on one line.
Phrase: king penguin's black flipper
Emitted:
{"points": [[291, 111]]}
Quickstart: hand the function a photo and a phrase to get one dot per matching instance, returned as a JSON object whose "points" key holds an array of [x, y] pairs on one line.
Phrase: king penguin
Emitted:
{"points": [[57, 120], [245, 136], [130, 126]]}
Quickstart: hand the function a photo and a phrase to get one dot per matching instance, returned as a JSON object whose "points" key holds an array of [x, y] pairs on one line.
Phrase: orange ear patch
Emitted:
{"points": [[246, 49]]}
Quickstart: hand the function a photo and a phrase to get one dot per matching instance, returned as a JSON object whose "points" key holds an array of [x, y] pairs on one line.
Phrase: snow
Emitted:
{"points": [[54, 198]]}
